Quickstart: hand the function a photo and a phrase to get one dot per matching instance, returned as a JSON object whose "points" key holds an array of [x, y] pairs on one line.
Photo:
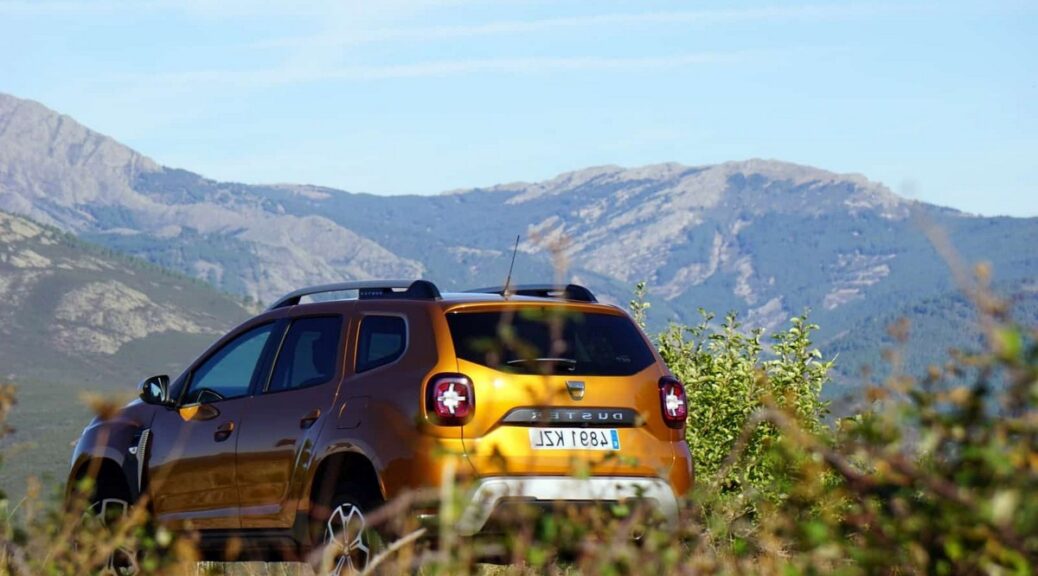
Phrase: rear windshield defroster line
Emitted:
{"points": [[521, 342]]}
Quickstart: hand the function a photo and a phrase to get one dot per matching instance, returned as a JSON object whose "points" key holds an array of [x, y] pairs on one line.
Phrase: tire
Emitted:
{"points": [[103, 514], [343, 541]]}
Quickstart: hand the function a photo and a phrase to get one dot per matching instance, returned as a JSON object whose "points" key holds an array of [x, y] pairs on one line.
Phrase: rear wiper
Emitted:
{"points": [[569, 362]]}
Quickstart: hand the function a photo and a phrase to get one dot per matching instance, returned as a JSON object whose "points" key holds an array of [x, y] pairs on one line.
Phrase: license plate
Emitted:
{"points": [[574, 439]]}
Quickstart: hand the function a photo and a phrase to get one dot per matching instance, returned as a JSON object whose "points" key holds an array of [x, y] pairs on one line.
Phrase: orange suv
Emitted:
{"points": [[296, 424]]}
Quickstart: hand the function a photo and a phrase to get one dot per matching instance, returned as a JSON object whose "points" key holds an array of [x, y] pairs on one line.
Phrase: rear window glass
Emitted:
{"points": [[308, 354], [382, 341], [543, 341]]}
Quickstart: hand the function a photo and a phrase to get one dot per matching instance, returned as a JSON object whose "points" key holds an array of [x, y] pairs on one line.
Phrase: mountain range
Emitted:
{"points": [[767, 239]]}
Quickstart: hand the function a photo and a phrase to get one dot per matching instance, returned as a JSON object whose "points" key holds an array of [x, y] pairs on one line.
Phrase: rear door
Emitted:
{"points": [[283, 419], [561, 390]]}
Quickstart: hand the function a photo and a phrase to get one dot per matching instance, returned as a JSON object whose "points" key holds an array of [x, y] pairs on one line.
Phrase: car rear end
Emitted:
{"points": [[559, 402]]}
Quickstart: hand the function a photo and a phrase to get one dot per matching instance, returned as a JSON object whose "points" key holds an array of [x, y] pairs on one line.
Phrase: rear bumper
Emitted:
{"points": [[490, 492]]}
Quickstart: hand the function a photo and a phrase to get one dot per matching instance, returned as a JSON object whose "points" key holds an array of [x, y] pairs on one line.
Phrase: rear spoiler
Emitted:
{"points": [[574, 292]]}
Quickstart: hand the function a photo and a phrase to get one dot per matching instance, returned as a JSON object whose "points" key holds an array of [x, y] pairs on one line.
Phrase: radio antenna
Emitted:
{"points": [[508, 281]]}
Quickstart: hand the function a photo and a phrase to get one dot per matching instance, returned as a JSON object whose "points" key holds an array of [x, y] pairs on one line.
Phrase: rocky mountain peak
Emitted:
{"points": [[61, 173], [49, 156], [705, 186]]}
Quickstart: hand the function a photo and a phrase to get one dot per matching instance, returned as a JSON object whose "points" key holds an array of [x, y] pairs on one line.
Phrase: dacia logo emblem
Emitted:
{"points": [[576, 389]]}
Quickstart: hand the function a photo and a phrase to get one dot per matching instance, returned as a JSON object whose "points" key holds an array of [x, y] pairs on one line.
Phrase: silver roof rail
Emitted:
{"points": [[366, 289]]}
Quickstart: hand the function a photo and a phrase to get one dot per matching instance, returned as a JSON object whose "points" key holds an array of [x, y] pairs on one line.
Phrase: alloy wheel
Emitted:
{"points": [[109, 512], [346, 534]]}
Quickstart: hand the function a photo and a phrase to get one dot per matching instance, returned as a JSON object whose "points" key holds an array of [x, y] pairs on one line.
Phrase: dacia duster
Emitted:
{"points": [[301, 421]]}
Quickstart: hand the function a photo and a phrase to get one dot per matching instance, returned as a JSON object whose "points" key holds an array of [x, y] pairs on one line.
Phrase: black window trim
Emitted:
{"points": [[360, 331], [261, 366], [262, 387]]}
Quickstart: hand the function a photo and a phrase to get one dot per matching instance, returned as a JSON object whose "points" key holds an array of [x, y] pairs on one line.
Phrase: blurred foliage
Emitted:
{"points": [[937, 474]]}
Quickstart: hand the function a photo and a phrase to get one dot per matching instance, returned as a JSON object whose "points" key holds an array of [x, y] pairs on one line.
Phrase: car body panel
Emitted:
{"points": [[391, 429], [192, 471], [495, 448], [111, 440], [274, 442]]}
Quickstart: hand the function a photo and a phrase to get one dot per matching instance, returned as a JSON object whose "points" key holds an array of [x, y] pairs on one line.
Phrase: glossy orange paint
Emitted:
{"points": [[252, 463]]}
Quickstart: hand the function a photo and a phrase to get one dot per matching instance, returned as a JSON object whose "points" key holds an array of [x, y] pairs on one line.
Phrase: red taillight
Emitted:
{"points": [[673, 402], [450, 399]]}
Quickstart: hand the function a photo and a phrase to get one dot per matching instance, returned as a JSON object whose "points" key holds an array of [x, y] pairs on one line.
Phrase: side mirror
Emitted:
{"points": [[155, 390]]}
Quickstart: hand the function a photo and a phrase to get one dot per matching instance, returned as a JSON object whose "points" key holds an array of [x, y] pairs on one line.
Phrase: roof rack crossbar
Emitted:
{"points": [[366, 289], [573, 292]]}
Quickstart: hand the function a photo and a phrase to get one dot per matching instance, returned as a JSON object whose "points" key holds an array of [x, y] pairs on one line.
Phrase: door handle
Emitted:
{"points": [[308, 420], [223, 431]]}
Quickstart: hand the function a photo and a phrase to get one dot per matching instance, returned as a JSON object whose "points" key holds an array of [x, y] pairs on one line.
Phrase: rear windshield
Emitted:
{"points": [[550, 341]]}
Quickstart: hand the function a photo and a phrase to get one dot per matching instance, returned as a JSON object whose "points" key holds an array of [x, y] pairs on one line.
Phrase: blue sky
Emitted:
{"points": [[939, 100]]}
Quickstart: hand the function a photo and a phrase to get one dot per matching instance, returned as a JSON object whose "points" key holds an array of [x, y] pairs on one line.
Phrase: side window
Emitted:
{"points": [[228, 373], [382, 340], [308, 355]]}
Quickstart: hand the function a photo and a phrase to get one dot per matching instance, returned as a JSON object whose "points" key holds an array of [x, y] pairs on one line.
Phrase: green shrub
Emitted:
{"points": [[729, 377]]}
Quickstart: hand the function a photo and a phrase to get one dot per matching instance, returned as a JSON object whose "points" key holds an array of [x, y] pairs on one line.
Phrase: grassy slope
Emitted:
{"points": [[52, 379]]}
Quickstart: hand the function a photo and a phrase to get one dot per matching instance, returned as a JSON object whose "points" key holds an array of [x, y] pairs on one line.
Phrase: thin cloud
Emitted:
{"points": [[213, 8], [520, 27], [443, 68], [78, 8], [44, 8]]}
